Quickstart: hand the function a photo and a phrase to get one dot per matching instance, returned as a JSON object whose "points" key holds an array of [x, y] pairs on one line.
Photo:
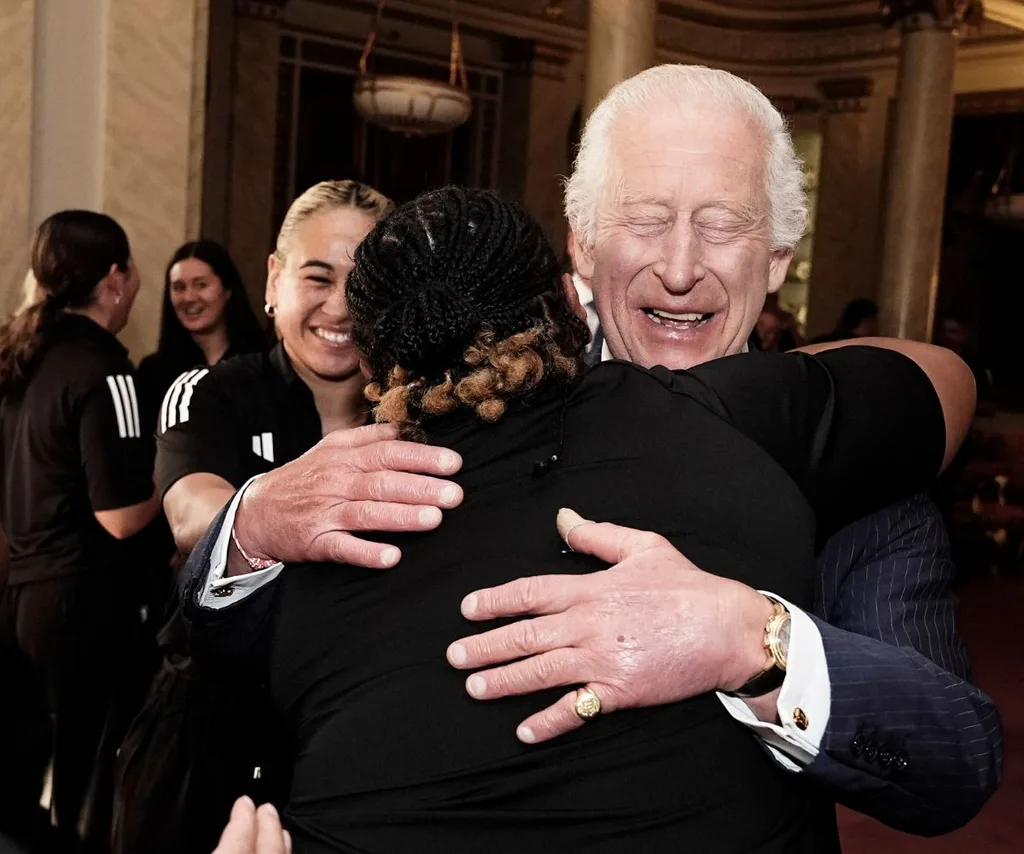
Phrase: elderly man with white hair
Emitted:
{"points": [[685, 206]]}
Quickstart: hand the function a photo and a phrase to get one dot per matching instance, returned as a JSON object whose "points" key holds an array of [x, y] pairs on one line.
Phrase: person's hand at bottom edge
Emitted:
{"points": [[254, 831]]}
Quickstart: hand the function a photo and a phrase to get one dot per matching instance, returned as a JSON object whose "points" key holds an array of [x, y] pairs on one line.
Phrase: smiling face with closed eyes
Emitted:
{"points": [[306, 287], [682, 260]]}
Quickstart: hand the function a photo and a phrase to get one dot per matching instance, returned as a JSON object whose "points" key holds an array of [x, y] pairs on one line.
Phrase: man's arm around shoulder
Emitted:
{"points": [[909, 740]]}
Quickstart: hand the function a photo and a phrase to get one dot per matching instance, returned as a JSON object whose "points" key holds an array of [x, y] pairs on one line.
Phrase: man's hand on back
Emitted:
{"points": [[653, 629], [352, 482]]}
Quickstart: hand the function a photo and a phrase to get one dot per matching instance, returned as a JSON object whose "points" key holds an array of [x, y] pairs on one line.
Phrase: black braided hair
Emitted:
{"points": [[440, 270]]}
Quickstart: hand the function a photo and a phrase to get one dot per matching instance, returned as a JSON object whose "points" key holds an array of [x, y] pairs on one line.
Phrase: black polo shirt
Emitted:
{"points": [[242, 417], [72, 445]]}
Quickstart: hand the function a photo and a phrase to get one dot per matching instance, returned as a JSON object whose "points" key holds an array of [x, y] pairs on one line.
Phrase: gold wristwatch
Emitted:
{"points": [[776, 646]]}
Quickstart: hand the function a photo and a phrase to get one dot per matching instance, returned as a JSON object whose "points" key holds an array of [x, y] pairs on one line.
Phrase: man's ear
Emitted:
{"points": [[582, 258], [573, 298], [777, 269]]}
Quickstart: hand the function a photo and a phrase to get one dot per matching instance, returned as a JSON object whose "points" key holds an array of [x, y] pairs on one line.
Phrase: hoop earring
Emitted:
{"points": [[269, 310]]}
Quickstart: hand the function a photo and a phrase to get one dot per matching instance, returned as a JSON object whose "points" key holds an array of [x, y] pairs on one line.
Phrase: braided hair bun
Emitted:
{"points": [[456, 298]]}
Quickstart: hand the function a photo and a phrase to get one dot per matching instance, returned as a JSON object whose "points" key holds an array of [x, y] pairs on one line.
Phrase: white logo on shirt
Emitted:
{"points": [[126, 407], [174, 409], [263, 446]]}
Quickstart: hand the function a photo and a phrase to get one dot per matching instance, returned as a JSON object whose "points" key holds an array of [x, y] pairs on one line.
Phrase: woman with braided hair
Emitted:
{"points": [[471, 340], [77, 477]]}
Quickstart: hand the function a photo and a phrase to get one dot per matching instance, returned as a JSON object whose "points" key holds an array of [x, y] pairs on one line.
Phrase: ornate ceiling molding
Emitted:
{"points": [[753, 35]]}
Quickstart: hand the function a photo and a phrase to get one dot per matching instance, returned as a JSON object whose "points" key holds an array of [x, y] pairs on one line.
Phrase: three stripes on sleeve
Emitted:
{"points": [[126, 405], [175, 408]]}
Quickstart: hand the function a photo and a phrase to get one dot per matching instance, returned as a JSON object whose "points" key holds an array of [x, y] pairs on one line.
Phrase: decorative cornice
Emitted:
{"points": [[827, 52], [792, 105], [268, 10], [847, 94]]}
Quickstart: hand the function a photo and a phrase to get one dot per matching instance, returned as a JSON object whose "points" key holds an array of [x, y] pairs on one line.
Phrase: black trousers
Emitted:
{"points": [[64, 646]]}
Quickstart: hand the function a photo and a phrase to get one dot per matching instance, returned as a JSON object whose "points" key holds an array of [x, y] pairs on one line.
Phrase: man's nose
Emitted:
{"points": [[681, 265]]}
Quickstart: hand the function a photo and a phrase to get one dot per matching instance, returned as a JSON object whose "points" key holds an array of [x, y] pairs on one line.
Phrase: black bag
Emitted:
{"points": [[201, 741]]}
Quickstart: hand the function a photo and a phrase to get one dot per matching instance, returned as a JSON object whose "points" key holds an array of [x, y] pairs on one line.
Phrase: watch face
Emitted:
{"points": [[784, 635], [780, 640]]}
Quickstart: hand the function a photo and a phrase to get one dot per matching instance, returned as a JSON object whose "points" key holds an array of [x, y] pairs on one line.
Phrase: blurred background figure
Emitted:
{"points": [[858, 320], [206, 317], [77, 479], [768, 329], [956, 334]]}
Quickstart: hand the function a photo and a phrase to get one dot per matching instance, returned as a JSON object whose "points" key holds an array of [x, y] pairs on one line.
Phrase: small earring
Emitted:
{"points": [[269, 310], [117, 300]]}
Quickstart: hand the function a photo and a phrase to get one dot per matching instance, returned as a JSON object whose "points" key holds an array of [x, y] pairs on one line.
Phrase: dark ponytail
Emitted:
{"points": [[71, 253]]}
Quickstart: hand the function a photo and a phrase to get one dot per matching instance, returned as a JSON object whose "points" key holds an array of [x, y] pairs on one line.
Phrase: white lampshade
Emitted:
{"points": [[414, 106]]}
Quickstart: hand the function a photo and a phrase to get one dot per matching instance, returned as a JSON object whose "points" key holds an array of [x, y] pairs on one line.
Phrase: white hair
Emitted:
{"points": [[674, 84]]}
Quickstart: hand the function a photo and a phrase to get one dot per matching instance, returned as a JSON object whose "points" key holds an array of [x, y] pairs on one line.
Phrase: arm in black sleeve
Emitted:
{"points": [[856, 427], [117, 459], [195, 432]]}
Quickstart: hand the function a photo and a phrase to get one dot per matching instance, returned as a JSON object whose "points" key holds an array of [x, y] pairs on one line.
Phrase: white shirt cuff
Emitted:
{"points": [[806, 696], [219, 592]]}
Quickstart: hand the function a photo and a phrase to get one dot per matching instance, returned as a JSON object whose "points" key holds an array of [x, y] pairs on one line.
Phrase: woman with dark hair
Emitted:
{"points": [[76, 479], [206, 318], [471, 340]]}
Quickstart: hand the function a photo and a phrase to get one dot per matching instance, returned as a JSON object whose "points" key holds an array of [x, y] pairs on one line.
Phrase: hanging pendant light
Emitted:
{"points": [[414, 106]]}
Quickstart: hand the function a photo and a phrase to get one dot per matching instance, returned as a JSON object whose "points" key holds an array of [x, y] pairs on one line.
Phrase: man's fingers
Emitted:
{"points": [[339, 547], [516, 640], [361, 436], [403, 488], [538, 594], [359, 516], [239, 836], [557, 719], [411, 457], [611, 543], [560, 718], [547, 670], [269, 834]]}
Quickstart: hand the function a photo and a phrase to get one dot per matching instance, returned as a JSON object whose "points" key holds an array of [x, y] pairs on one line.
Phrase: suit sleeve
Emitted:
{"points": [[117, 459], [909, 740], [236, 633], [196, 431]]}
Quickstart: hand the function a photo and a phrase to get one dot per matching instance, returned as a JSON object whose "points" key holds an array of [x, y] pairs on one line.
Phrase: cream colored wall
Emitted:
{"points": [[156, 72], [69, 106], [17, 27]]}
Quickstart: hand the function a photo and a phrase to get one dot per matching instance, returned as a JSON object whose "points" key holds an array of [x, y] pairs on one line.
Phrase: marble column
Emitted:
{"points": [[17, 24], [918, 163], [537, 113], [620, 43], [846, 233], [250, 199]]}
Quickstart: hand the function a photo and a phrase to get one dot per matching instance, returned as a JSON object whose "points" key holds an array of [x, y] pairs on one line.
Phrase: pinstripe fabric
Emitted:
{"points": [[909, 740]]}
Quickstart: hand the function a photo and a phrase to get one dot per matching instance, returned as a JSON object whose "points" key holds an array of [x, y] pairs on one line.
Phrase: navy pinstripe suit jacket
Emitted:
{"points": [[909, 740]]}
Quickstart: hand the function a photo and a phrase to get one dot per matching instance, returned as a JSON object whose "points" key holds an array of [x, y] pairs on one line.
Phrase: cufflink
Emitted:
{"points": [[800, 718]]}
